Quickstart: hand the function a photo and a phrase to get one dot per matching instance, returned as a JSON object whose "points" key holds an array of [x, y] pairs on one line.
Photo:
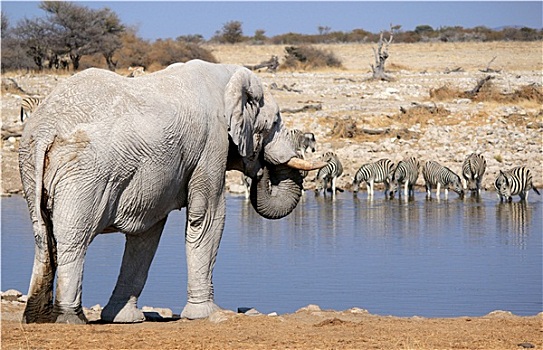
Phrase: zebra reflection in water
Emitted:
{"points": [[514, 219]]}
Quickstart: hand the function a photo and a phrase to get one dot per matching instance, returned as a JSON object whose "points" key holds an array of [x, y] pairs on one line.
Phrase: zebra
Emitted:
{"points": [[377, 172], [302, 141], [436, 175], [514, 181], [29, 105], [406, 173], [329, 173], [473, 170]]}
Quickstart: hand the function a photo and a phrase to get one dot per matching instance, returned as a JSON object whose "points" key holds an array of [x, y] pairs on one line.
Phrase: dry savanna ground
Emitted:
{"points": [[423, 112]]}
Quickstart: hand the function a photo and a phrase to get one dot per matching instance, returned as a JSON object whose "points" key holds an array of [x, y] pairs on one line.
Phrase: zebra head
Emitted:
{"points": [[503, 186], [455, 184]]}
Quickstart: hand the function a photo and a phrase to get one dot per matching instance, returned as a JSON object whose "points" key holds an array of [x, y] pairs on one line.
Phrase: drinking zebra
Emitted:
{"points": [[406, 174], [376, 172], [473, 170], [435, 175], [329, 173], [29, 105], [514, 181]]}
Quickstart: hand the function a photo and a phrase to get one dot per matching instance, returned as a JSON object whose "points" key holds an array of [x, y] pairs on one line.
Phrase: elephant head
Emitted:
{"points": [[260, 147]]}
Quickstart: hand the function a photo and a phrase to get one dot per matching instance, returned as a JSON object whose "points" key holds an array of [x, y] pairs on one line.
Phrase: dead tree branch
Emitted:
{"points": [[274, 86], [271, 65], [479, 86], [305, 108], [488, 70], [381, 55]]}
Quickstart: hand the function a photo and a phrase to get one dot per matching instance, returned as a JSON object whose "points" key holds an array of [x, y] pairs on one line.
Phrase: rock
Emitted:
{"points": [[96, 307], [221, 316], [156, 312], [500, 313], [310, 308], [357, 310], [11, 295], [253, 312]]}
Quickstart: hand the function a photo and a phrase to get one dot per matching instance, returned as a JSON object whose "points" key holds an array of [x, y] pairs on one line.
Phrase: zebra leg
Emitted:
{"points": [[371, 188], [334, 186], [438, 189], [406, 189]]}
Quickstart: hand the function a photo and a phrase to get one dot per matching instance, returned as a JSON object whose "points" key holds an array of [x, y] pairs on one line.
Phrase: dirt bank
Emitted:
{"points": [[309, 328]]}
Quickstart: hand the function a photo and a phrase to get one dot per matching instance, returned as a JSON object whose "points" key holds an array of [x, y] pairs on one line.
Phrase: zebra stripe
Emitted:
{"points": [[473, 170], [376, 172], [329, 173], [406, 174], [516, 181], [435, 175], [28, 105]]}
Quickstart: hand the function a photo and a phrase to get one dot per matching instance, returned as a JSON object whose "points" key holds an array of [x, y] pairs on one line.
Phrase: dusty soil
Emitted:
{"points": [[337, 102], [305, 329]]}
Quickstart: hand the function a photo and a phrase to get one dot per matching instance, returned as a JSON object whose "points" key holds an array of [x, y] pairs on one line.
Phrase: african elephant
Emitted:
{"points": [[105, 153]]}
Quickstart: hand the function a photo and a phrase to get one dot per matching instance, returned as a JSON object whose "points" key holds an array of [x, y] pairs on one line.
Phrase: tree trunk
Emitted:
{"points": [[381, 55]]}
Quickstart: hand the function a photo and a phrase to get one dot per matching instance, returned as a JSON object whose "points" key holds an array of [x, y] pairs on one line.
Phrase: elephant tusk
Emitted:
{"points": [[301, 164]]}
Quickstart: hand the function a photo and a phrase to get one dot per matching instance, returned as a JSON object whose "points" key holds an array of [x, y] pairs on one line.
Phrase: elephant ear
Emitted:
{"points": [[243, 98]]}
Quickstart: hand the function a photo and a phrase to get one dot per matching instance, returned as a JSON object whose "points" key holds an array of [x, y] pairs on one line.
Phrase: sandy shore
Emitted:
{"points": [[308, 328]]}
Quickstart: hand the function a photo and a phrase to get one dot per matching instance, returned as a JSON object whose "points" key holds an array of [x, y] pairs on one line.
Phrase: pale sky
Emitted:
{"points": [[170, 19]]}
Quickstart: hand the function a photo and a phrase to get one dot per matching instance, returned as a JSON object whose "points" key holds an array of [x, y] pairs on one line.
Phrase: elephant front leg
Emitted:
{"points": [[205, 224], [138, 254]]}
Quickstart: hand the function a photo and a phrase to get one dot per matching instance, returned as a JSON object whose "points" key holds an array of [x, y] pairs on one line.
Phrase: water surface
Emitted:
{"points": [[429, 258]]}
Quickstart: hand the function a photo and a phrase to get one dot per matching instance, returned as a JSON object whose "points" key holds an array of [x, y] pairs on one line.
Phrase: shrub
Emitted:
{"points": [[307, 57]]}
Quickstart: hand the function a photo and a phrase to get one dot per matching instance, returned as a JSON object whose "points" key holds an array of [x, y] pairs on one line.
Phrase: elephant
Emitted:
{"points": [[105, 153]]}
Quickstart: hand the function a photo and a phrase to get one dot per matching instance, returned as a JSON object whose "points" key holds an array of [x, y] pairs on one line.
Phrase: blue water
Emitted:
{"points": [[429, 258]]}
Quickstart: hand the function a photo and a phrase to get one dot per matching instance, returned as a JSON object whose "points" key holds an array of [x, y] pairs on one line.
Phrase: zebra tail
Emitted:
{"points": [[536, 191]]}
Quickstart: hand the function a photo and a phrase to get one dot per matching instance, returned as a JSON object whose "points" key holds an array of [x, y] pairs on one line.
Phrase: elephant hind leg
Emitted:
{"points": [[138, 254], [39, 306]]}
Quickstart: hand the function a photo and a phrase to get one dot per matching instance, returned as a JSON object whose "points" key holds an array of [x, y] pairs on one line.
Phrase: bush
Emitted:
{"points": [[307, 57]]}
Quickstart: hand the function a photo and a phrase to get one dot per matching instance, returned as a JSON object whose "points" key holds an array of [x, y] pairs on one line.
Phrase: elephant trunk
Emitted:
{"points": [[277, 192]]}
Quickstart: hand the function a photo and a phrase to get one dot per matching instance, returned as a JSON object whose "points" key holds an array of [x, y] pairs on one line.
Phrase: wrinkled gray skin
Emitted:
{"points": [[106, 153]]}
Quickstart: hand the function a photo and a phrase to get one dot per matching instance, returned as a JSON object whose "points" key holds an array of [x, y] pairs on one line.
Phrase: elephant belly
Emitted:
{"points": [[149, 198]]}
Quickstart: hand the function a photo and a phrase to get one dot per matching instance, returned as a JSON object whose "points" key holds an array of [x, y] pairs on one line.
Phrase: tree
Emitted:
{"points": [[34, 36], [381, 55], [79, 31], [232, 32]]}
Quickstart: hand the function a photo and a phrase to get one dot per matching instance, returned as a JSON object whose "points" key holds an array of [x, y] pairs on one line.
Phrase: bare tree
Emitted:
{"points": [[381, 55], [34, 36]]}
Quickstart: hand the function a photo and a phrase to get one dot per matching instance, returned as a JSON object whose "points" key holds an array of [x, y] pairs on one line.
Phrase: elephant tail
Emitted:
{"points": [[39, 307], [43, 234]]}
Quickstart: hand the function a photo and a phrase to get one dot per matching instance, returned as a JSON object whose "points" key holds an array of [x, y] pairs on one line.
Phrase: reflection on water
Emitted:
{"points": [[513, 219], [427, 257]]}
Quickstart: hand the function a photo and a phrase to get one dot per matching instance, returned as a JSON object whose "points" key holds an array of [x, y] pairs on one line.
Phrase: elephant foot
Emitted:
{"points": [[69, 316], [122, 312], [37, 313], [194, 311]]}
